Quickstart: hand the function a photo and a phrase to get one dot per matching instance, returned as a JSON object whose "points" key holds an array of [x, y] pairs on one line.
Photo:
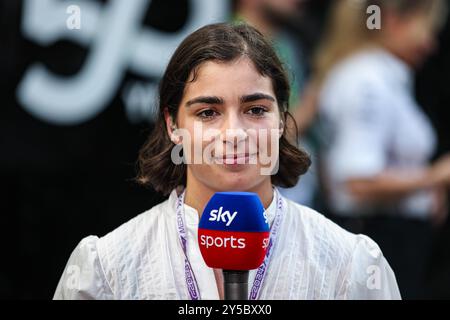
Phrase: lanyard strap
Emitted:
{"points": [[191, 282], [261, 273]]}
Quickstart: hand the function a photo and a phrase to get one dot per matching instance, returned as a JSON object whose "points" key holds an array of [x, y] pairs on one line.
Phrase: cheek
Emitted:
{"points": [[270, 121], [265, 130], [265, 140], [421, 36]]}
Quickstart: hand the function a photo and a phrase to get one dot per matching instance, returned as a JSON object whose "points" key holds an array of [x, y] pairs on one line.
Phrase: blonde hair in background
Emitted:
{"points": [[347, 31]]}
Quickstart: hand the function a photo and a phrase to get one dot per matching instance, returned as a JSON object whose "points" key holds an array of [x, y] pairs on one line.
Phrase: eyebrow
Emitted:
{"points": [[216, 100], [256, 96], [205, 100]]}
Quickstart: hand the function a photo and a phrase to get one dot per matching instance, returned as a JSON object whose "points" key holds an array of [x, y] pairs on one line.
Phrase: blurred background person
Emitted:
{"points": [[284, 22], [270, 17], [377, 146]]}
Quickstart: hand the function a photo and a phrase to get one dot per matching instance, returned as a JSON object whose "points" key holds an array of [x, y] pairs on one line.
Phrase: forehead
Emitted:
{"points": [[228, 79]]}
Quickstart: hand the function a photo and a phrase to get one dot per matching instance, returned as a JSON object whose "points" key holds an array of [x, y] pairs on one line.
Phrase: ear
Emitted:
{"points": [[281, 128], [171, 126]]}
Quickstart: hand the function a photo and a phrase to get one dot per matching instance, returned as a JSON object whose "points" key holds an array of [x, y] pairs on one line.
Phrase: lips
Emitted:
{"points": [[233, 159]]}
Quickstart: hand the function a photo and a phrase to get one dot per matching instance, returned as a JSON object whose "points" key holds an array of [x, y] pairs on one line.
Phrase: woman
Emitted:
{"points": [[224, 77], [378, 141]]}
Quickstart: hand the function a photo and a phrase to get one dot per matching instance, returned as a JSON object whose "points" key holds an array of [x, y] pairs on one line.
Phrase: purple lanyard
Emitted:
{"points": [[191, 282], [261, 272]]}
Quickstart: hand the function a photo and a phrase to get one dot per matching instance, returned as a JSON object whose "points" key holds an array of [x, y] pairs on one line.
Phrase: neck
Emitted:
{"points": [[390, 46], [197, 194]]}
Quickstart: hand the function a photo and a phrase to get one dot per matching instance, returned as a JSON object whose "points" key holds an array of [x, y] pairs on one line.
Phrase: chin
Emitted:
{"points": [[238, 181], [417, 61]]}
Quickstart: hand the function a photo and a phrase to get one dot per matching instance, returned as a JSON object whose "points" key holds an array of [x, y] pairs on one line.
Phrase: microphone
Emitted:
{"points": [[233, 235]]}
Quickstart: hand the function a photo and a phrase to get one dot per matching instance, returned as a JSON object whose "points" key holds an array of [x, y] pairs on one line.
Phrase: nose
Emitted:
{"points": [[234, 130]]}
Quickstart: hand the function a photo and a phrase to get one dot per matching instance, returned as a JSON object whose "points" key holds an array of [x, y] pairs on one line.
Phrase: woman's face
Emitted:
{"points": [[228, 112], [414, 37]]}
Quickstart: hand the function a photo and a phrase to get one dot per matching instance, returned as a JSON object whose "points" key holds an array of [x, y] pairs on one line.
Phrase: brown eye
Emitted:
{"points": [[207, 114], [257, 111]]}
